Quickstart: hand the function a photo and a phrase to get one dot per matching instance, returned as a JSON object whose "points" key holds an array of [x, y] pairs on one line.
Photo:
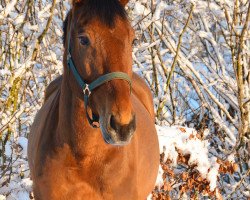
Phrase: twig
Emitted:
{"points": [[178, 47], [40, 38], [175, 60]]}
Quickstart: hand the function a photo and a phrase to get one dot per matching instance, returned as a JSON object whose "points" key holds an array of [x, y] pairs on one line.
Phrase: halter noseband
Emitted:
{"points": [[88, 88]]}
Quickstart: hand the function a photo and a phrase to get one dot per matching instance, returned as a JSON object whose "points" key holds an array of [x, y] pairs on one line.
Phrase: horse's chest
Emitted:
{"points": [[65, 178]]}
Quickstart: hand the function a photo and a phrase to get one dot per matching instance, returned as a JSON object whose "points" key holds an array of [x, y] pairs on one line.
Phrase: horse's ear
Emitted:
{"points": [[76, 1], [124, 2]]}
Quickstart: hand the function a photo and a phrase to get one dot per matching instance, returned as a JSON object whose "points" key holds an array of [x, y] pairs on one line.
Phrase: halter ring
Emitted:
{"points": [[86, 90]]}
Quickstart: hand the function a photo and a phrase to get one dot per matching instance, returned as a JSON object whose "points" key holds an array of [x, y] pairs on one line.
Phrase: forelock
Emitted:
{"points": [[104, 10]]}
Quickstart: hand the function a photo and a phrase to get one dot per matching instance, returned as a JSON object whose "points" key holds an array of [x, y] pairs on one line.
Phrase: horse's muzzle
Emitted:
{"points": [[116, 134]]}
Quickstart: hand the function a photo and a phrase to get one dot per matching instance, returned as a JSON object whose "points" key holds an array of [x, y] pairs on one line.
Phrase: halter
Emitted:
{"points": [[88, 88]]}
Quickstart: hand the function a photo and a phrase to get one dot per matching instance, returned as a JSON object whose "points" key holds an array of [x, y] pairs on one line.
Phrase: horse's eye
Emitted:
{"points": [[84, 40], [135, 42]]}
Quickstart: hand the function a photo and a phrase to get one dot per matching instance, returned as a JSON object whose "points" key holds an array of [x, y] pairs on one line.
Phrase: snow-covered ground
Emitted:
{"points": [[172, 140]]}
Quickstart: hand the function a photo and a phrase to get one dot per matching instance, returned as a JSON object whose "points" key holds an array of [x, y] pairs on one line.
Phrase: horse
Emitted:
{"points": [[94, 137]]}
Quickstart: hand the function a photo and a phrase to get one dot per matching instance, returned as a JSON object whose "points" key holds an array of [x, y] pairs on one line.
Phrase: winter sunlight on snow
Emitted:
{"points": [[195, 57]]}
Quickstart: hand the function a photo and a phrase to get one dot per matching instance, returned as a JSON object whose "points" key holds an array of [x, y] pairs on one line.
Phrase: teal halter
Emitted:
{"points": [[88, 88]]}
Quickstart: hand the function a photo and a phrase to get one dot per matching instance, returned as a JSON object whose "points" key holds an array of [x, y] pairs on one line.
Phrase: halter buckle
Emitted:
{"points": [[86, 90]]}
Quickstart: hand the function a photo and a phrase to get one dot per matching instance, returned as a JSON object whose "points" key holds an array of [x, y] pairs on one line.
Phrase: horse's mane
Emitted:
{"points": [[104, 10]]}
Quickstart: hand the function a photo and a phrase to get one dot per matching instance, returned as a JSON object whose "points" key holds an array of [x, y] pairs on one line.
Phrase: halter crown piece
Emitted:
{"points": [[88, 88]]}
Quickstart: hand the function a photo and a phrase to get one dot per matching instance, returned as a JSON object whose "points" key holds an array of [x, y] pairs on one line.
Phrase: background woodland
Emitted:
{"points": [[195, 57]]}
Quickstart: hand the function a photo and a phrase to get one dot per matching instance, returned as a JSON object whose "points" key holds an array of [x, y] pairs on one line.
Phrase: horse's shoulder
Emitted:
{"points": [[52, 87], [42, 129], [143, 93]]}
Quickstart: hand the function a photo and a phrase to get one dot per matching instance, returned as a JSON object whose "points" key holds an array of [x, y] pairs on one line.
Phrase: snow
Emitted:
{"points": [[23, 142], [9, 8], [8, 150], [2, 197], [4, 72], [139, 8], [213, 174], [184, 139], [203, 84], [159, 181], [160, 6], [17, 189]]}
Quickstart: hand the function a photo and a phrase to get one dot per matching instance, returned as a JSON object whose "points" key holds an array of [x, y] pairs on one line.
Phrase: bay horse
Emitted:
{"points": [[94, 137]]}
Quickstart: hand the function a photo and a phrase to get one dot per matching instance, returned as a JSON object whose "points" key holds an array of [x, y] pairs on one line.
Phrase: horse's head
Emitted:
{"points": [[101, 42]]}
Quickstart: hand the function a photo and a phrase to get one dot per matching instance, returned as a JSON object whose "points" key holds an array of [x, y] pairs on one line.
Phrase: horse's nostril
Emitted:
{"points": [[112, 122], [117, 127], [121, 132]]}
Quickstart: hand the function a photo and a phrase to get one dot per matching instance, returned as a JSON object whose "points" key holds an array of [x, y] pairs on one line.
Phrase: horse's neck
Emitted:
{"points": [[73, 127]]}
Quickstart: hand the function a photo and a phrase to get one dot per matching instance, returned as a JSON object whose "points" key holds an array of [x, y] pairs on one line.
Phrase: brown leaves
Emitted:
{"points": [[167, 186], [196, 136], [160, 194], [189, 179], [218, 194], [182, 158], [183, 130], [227, 167], [191, 136], [184, 178], [193, 182]]}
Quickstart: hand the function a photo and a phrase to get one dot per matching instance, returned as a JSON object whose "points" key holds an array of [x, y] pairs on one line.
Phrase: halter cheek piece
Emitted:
{"points": [[88, 88]]}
